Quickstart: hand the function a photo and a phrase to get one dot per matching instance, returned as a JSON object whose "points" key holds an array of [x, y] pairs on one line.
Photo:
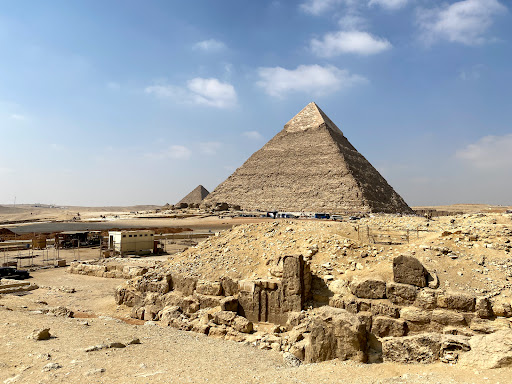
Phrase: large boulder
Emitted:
{"points": [[336, 333], [423, 348], [409, 270], [368, 288], [489, 351]]}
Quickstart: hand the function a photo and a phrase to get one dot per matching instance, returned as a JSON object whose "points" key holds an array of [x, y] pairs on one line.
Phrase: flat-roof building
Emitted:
{"points": [[131, 242]]}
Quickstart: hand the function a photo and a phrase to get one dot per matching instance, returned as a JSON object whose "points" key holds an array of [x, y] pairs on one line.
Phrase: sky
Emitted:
{"points": [[138, 102]]}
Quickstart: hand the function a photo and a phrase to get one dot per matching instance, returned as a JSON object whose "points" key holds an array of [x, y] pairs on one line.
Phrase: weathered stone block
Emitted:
{"points": [[483, 307], [229, 303], [224, 317], [241, 324], [458, 301], [445, 317], [184, 284], [210, 288], [386, 326], [368, 288], [415, 315], [207, 301], [427, 298], [399, 293], [385, 308], [501, 309], [409, 270], [423, 348], [489, 351], [335, 333], [169, 313], [487, 326], [229, 286]]}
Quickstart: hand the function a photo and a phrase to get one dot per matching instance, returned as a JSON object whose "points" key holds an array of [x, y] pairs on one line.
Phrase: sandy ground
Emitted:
{"points": [[165, 355]]}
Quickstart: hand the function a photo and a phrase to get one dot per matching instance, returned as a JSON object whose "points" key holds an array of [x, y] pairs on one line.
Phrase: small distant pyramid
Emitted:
{"points": [[196, 196], [309, 166]]}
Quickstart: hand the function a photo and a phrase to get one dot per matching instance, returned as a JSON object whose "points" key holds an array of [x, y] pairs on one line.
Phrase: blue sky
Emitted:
{"points": [[130, 102]]}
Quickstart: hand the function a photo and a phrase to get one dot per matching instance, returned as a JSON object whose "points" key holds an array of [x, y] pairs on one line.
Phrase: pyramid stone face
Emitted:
{"points": [[196, 196], [309, 166]]}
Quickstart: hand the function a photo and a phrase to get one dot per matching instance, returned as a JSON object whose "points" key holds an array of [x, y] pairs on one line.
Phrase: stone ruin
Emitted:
{"points": [[370, 320]]}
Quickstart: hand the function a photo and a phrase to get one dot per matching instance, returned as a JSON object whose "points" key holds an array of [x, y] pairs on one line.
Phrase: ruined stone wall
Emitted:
{"points": [[257, 300]]}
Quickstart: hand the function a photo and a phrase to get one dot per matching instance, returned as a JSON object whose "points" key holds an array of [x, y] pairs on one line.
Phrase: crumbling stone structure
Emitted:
{"points": [[407, 320]]}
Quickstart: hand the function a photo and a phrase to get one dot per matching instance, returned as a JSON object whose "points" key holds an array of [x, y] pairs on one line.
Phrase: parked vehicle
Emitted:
{"points": [[13, 273]]}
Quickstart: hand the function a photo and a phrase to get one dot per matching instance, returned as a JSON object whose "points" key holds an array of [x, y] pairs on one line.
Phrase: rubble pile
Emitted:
{"points": [[315, 291]]}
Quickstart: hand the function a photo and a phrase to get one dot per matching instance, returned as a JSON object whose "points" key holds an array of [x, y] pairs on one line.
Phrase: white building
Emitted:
{"points": [[132, 242]]}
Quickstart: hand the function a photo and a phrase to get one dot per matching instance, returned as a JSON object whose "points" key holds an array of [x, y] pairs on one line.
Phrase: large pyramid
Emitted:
{"points": [[309, 166], [196, 196]]}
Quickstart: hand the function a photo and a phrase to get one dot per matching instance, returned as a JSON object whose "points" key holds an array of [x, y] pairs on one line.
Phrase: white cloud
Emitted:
{"points": [[178, 152], [314, 79], [489, 153], [16, 116], [252, 135], [357, 42], [210, 45], [210, 147], [352, 22], [389, 4], [211, 92], [463, 22], [317, 7]]}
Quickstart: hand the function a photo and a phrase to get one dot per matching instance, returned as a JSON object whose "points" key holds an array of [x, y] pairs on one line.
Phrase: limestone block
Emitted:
{"points": [[385, 308], [184, 284], [488, 326], [483, 307], [399, 293], [169, 313], [502, 309], [368, 288], [445, 317], [229, 286], [383, 326], [190, 305], [229, 303], [241, 324], [489, 351], [335, 333], [423, 348], [224, 317], [415, 315], [427, 298], [409, 270], [207, 301], [210, 288], [458, 301]]}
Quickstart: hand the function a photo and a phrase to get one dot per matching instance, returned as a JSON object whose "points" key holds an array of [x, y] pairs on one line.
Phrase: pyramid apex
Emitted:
{"points": [[311, 116]]}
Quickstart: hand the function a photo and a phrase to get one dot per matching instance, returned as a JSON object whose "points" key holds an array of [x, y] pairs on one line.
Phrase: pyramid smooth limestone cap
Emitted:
{"points": [[311, 116]]}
